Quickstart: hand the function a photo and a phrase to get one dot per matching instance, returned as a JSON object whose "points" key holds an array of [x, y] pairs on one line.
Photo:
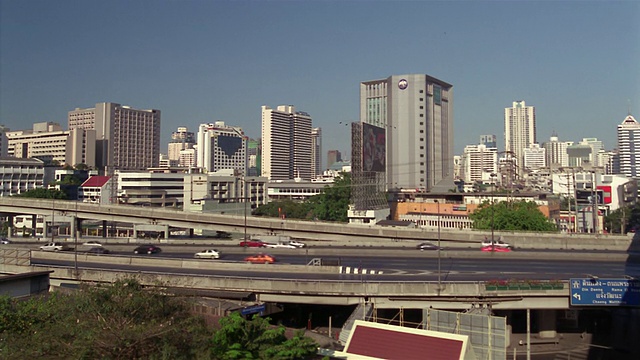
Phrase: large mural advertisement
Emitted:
{"points": [[374, 148]]}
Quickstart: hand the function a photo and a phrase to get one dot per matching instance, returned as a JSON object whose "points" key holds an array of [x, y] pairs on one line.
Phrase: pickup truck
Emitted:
{"points": [[55, 246]]}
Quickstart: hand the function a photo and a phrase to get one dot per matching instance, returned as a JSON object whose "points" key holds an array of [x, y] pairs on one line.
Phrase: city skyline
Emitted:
{"points": [[579, 70]]}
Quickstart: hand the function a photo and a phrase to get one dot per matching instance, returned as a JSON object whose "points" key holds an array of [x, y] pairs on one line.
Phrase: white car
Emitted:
{"points": [[495, 243], [5, 241], [207, 254], [54, 246], [281, 245], [92, 243], [297, 244]]}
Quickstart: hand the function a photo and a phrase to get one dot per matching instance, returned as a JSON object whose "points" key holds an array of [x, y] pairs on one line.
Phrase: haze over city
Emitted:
{"points": [[200, 61]]}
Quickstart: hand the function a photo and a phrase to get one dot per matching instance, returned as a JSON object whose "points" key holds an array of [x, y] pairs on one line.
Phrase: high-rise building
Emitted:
{"points": [[519, 129], [4, 142], [316, 148], [286, 143], [126, 138], [596, 147], [415, 113], [180, 140], [222, 147], [534, 157], [253, 150], [333, 156], [489, 141], [479, 162], [629, 147], [556, 152]]}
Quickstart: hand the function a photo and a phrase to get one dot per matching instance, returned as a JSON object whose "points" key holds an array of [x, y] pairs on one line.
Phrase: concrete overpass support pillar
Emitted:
{"points": [[34, 223], [135, 231], [190, 233], [104, 228], [73, 227], [166, 232], [10, 226], [547, 324]]}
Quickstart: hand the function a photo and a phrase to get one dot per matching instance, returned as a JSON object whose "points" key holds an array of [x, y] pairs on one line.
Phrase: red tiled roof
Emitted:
{"points": [[96, 181], [381, 343]]}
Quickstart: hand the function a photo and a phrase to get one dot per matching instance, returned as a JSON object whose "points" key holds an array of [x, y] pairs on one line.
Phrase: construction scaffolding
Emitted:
{"points": [[368, 190]]}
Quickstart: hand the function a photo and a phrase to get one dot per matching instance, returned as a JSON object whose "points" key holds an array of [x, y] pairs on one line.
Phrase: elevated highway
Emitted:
{"points": [[321, 231], [204, 276]]}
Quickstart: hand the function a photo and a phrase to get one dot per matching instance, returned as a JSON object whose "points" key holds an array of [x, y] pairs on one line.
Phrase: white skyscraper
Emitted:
{"points": [[629, 147], [286, 143], [411, 118], [519, 130], [221, 147], [556, 152], [534, 157], [479, 163]]}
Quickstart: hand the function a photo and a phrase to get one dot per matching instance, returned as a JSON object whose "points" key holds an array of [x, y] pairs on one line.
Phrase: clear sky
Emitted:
{"points": [[577, 62]]}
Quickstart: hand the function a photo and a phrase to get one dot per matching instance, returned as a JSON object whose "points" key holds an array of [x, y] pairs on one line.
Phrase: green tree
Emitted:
{"points": [[70, 180], [42, 193], [119, 321], [623, 219], [514, 215], [333, 203], [256, 339], [287, 208]]}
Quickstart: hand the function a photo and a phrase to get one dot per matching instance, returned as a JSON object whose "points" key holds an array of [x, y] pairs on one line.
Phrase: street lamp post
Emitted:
{"points": [[439, 249], [493, 210], [244, 196]]}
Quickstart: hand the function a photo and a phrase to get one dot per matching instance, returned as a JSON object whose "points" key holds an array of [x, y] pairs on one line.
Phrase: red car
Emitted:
{"points": [[260, 259], [253, 243], [495, 249]]}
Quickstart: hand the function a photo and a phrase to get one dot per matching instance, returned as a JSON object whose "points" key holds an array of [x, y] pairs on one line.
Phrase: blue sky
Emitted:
{"points": [[577, 62]]}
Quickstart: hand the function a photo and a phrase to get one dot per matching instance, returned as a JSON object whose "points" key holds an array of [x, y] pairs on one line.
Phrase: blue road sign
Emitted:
{"points": [[253, 309], [605, 292]]}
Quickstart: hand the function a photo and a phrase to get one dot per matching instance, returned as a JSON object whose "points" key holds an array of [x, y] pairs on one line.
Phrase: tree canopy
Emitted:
{"points": [[128, 321], [513, 215], [330, 205], [623, 220], [42, 193]]}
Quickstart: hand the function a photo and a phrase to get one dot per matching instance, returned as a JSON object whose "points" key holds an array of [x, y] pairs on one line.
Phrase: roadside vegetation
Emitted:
{"points": [[331, 205], [125, 320], [512, 215]]}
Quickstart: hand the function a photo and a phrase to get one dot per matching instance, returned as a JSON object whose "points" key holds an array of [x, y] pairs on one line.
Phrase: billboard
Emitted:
{"points": [[374, 152]]}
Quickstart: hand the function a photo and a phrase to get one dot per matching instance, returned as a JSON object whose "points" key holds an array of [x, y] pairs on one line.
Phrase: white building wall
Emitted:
{"points": [[534, 157], [519, 129]]}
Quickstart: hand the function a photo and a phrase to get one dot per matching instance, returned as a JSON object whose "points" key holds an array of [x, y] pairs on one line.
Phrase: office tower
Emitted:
{"points": [[187, 158], [253, 157], [126, 138], [49, 143], [333, 156], [579, 155], [286, 143], [180, 140], [629, 147], [596, 147], [415, 113], [479, 162], [556, 152], [316, 148], [489, 141], [534, 157], [4, 142], [221, 147], [519, 129]]}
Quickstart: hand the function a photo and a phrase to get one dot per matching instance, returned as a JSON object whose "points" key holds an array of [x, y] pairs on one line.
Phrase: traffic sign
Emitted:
{"points": [[605, 292], [253, 309]]}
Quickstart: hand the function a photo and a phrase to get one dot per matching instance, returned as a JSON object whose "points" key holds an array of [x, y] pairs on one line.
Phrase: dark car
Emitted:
{"points": [[222, 235], [427, 246], [147, 249], [98, 250]]}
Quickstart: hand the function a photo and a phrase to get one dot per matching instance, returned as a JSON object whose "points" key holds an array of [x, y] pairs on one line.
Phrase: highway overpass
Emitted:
{"points": [[330, 232]]}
